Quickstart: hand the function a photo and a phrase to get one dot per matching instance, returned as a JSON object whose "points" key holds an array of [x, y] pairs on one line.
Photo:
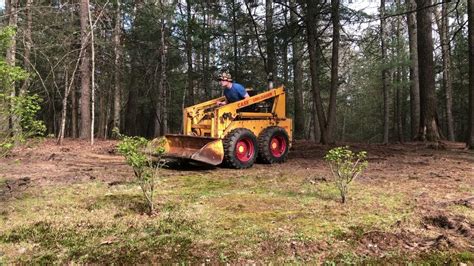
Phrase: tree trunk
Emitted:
{"points": [[103, 107], [85, 129], [67, 89], [12, 14], [92, 76], [28, 42], [314, 131], [164, 77], [206, 56], [269, 34], [161, 91], [414, 81], [312, 19], [343, 133], [299, 117], [385, 92], [74, 114], [443, 25], [447, 80], [317, 136], [235, 65], [470, 140], [189, 57], [331, 123], [399, 87], [62, 127], [117, 68], [132, 107], [398, 106], [285, 50], [428, 125]]}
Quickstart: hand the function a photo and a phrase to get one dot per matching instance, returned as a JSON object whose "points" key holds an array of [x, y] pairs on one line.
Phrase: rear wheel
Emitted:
{"points": [[273, 145], [240, 148]]}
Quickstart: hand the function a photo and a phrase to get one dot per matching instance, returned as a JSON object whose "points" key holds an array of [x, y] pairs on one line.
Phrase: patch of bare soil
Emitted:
{"points": [[47, 163], [453, 231], [300, 249], [448, 235]]}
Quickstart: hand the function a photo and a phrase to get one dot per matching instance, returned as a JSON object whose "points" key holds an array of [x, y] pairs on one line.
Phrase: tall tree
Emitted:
{"points": [[270, 35], [414, 81], [331, 120], [386, 119], [398, 104], [164, 78], [189, 55], [470, 141], [326, 124], [28, 42], [74, 106], [299, 116], [284, 50], [85, 68], [206, 47], [12, 13], [235, 65], [160, 106], [312, 21], [92, 34], [443, 26], [117, 65], [428, 123]]}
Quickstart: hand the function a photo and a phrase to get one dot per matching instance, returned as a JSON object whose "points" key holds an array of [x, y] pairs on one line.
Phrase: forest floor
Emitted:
{"points": [[77, 203]]}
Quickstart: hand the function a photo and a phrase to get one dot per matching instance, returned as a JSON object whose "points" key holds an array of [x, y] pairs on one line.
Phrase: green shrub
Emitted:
{"points": [[145, 158], [23, 108], [345, 166], [26, 107], [20, 109]]}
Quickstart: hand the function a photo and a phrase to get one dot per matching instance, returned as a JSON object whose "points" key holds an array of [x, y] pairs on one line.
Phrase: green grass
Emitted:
{"points": [[202, 218], [463, 211], [90, 223]]}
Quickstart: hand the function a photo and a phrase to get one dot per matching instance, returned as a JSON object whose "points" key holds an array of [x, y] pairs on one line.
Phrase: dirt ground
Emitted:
{"points": [[437, 178]]}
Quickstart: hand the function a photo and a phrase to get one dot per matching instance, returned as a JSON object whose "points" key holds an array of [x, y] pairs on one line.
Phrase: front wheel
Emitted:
{"points": [[240, 148], [273, 145]]}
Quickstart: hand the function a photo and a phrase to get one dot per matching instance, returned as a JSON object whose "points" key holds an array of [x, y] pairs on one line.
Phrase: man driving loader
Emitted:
{"points": [[233, 91]]}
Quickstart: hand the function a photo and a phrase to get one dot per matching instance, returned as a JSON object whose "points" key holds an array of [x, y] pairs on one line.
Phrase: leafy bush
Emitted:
{"points": [[145, 158], [345, 166], [8, 73], [23, 108], [20, 109]]}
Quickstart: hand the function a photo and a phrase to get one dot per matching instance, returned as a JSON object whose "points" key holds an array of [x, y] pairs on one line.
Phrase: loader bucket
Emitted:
{"points": [[202, 149]]}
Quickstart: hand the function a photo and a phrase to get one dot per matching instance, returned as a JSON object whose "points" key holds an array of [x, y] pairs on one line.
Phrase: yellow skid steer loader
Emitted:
{"points": [[235, 134]]}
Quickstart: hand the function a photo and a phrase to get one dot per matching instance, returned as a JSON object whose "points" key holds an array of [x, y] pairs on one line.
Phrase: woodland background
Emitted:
{"points": [[395, 75]]}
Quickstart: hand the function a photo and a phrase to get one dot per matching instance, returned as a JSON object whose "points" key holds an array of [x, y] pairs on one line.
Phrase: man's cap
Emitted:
{"points": [[225, 76]]}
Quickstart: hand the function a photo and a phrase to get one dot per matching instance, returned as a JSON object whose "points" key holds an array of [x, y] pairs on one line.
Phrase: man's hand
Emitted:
{"points": [[221, 103]]}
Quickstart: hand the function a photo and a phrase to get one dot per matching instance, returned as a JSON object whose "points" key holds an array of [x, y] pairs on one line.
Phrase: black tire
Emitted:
{"points": [[240, 148], [267, 153]]}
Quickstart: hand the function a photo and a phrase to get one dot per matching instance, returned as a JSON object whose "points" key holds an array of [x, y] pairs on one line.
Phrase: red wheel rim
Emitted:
{"points": [[277, 146], [244, 150]]}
